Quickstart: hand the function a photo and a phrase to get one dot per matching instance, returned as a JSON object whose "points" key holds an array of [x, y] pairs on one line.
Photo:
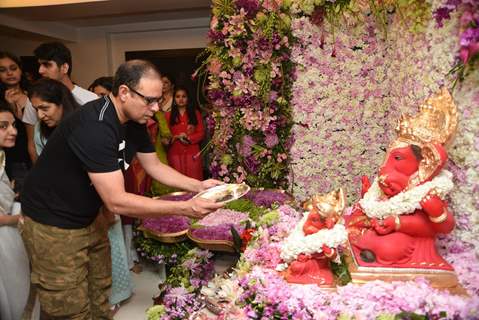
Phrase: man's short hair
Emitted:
{"points": [[130, 73], [55, 51]]}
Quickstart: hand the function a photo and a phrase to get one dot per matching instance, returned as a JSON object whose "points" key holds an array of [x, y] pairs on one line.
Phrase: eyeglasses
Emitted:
{"points": [[149, 100]]}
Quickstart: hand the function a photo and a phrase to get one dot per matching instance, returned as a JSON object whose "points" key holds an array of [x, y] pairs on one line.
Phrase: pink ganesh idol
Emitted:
{"points": [[393, 228], [314, 242]]}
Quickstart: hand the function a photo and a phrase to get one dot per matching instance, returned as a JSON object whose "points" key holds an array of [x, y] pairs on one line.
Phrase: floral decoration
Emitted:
{"points": [[405, 202], [298, 243], [179, 298], [249, 86], [467, 59], [264, 294], [167, 223], [345, 101], [158, 252], [372, 81]]}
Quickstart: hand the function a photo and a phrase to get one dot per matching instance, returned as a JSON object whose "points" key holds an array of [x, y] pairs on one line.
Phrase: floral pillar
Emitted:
{"points": [[249, 87]]}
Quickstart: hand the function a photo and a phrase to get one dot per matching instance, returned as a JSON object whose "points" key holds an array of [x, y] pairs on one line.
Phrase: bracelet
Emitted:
{"points": [[329, 255], [397, 223], [440, 218]]}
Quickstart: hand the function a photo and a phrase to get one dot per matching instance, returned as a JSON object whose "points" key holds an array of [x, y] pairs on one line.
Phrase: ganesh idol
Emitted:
{"points": [[394, 226], [314, 242]]}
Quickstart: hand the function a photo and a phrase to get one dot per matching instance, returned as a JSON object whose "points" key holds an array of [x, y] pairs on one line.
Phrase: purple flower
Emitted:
{"points": [[210, 124], [218, 232], [252, 164], [442, 14], [247, 144], [167, 223], [251, 7], [215, 36], [470, 35], [215, 169], [271, 140], [267, 198]]}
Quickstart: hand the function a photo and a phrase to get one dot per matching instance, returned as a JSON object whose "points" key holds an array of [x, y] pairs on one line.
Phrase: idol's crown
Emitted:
{"points": [[435, 122]]}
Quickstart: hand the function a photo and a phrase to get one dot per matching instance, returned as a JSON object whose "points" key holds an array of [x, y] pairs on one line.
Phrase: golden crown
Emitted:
{"points": [[435, 122], [329, 204]]}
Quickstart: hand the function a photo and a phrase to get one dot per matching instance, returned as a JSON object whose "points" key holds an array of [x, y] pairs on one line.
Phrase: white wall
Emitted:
{"points": [[99, 51]]}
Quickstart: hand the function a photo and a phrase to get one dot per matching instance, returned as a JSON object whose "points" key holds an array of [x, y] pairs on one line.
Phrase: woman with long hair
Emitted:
{"points": [[14, 265], [13, 90], [13, 83], [167, 91], [187, 130], [53, 101]]}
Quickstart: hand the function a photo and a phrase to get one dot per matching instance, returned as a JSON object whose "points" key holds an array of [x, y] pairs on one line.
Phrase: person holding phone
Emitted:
{"points": [[187, 130]]}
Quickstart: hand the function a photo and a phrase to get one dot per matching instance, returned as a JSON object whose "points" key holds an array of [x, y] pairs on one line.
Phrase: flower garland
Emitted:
{"points": [[298, 243], [405, 202]]}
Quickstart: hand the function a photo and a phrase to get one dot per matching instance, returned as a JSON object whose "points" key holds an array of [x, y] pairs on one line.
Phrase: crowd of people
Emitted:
{"points": [[77, 168]]}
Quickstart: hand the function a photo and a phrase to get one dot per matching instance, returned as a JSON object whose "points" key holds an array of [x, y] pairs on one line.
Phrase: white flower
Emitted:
{"points": [[405, 202], [298, 243]]}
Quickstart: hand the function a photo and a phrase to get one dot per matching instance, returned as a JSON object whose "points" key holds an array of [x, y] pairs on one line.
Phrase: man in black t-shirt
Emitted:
{"points": [[80, 169]]}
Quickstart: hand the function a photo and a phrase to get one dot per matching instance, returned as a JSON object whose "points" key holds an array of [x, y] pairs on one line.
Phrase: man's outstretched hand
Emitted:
{"points": [[197, 208]]}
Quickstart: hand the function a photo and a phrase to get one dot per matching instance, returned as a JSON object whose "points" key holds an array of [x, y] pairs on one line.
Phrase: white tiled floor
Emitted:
{"points": [[146, 286]]}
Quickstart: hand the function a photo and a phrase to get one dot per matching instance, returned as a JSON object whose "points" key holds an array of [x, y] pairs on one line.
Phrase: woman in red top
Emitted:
{"points": [[187, 131]]}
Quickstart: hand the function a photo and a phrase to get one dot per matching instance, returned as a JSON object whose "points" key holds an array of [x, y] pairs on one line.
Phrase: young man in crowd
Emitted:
{"points": [[81, 169], [55, 61]]}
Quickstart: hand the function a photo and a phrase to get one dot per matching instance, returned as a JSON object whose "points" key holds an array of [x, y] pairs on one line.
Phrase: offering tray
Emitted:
{"points": [[225, 192], [212, 245], [167, 237], [164, 237]]}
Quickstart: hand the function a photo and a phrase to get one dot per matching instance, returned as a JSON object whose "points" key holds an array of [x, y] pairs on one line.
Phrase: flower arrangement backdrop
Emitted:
{"points": [[351, 88], [306, 94]]}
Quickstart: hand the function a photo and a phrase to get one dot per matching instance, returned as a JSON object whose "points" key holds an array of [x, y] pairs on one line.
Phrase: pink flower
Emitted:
{"points": [[214, 66], [468, 52], [272, 5], [213, 23]]}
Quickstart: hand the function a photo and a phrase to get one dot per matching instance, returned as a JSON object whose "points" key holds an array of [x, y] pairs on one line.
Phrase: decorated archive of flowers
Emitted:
{"points": [[305, 96]]}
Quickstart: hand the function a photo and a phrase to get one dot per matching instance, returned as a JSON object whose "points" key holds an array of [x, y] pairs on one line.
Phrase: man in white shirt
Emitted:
{"points": [[55, 63]]}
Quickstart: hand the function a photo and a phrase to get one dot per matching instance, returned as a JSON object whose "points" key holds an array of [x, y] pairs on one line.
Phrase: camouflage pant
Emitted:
{"points": [[71, 270]]}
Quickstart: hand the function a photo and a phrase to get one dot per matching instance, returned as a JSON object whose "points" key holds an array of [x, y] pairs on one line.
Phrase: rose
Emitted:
{"points": [[246, 237]]}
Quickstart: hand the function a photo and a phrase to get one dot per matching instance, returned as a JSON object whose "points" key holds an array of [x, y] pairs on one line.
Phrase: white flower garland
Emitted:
{"points": [[405, 202], [297, 242]]}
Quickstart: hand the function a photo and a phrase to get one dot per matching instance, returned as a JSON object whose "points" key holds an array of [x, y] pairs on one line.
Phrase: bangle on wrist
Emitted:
{"points": [[329, 255], [440, 218]]}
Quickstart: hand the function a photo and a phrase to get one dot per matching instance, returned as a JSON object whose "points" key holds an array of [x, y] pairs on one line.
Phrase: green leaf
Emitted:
{"points": [[411, 316], [341, 272]]}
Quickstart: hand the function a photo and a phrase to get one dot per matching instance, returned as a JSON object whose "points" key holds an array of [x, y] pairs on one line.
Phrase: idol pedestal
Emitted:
{"points": [[439, 279]]}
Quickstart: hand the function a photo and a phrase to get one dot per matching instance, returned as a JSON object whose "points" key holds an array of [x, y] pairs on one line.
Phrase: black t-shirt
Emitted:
{"points": [[58, 191]]}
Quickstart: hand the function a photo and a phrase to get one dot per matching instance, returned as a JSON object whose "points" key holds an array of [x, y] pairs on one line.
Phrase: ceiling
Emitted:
{"points": [[105, 13]]}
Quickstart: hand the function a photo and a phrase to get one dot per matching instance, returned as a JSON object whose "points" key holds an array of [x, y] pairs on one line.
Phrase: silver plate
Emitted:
{"points": [[224, 193]]}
